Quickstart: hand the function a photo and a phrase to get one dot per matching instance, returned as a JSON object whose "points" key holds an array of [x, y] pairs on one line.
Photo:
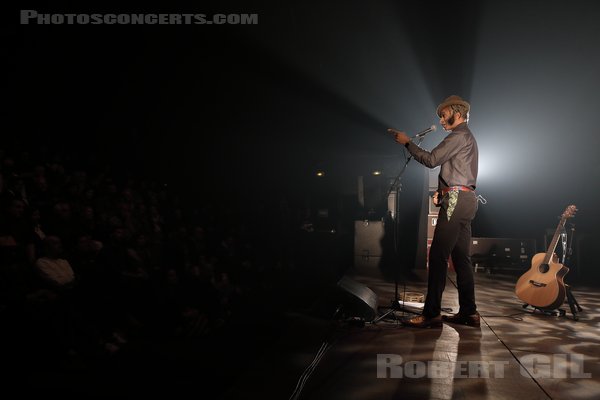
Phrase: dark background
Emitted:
{"points": [[236, 110]]}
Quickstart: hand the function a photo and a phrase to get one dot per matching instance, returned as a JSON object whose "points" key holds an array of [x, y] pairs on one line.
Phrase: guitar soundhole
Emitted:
{"points": [[544, 268]]}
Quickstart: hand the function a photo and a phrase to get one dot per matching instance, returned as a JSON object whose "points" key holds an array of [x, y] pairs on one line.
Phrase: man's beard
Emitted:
{"points": [[450, 121]]}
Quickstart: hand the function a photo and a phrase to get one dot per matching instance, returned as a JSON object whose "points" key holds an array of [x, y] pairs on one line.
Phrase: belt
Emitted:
{"points": [[458, 188]]}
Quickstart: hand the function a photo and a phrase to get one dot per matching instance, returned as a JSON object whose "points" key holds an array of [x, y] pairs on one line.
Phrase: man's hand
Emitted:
{"points": [[399, 136], [436, 199]]}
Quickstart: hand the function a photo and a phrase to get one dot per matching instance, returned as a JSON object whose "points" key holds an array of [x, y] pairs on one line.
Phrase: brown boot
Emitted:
{"points": [[470, 320], [420, 321]]}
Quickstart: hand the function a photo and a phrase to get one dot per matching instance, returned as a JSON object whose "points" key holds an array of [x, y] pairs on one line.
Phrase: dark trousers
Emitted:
{"points": [[452, 238]]}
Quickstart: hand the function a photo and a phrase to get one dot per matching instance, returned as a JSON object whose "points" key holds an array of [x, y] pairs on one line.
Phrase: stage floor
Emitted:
{"points": [[516, 353]]}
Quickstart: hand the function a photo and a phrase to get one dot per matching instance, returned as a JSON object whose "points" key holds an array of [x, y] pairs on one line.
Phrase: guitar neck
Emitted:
{"points": [[554, 242]]}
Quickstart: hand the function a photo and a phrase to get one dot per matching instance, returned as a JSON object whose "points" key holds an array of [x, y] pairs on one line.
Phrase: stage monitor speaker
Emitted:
{"points": [[358, 299]]}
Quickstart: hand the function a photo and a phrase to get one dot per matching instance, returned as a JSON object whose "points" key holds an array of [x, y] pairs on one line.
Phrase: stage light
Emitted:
{"points": [[376, 172], [320, 173]]}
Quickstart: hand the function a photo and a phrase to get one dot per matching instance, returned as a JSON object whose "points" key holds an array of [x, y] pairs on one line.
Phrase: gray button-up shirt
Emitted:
{"points": [[457, 154]]}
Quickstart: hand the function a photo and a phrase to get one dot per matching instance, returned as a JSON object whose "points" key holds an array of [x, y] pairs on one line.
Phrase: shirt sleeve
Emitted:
{"points": [[440, 154]]}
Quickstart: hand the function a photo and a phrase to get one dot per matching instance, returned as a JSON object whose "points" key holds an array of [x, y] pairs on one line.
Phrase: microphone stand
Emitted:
{"points": [[396, 186]]}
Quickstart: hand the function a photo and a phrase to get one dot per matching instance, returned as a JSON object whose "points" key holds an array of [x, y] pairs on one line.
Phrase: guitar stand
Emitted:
{"points": [[573, 305]]}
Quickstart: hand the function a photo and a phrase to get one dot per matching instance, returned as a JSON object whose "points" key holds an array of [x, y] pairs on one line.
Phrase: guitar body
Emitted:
{"points": [[543, 286]]}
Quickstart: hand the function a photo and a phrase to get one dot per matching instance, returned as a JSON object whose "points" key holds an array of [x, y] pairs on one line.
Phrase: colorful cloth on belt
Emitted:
{"points": [[453, 199]]}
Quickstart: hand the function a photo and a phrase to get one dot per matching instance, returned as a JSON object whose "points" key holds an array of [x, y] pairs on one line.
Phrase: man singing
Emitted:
{"points": [[457, 155]]}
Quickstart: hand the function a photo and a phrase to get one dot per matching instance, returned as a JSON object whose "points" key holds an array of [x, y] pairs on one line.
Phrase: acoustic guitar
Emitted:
{"points": [[542, 286]]}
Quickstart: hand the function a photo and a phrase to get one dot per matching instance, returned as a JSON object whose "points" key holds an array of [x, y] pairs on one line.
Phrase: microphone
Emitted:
{"points": [[418, 135], [425, 132]]}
